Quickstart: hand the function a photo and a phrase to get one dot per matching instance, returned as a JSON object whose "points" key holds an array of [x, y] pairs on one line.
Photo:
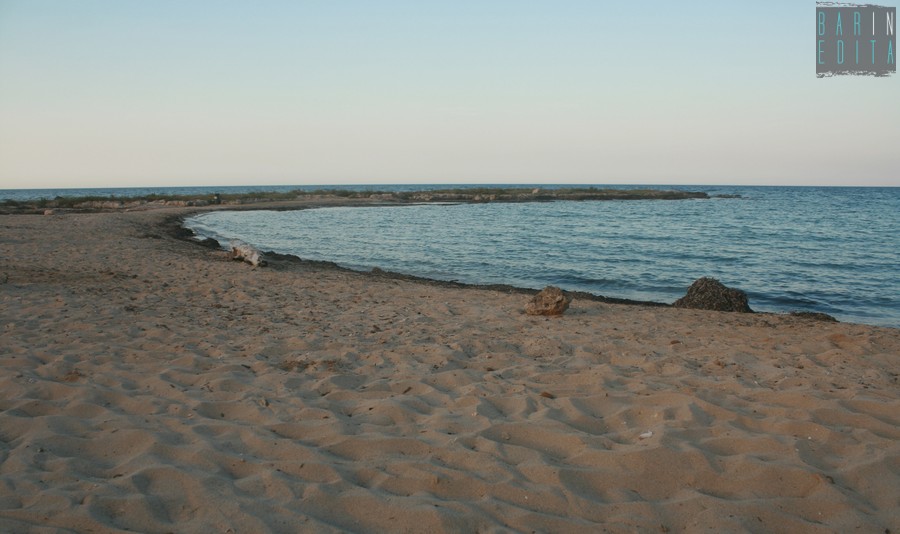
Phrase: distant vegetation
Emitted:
{"points": [[478, 194]]}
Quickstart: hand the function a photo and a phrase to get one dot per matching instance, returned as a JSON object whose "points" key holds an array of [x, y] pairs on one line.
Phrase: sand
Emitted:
{"points": [[149, 384]]}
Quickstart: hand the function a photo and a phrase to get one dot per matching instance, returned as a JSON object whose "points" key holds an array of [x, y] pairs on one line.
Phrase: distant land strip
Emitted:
{"points": [[461, 195]]}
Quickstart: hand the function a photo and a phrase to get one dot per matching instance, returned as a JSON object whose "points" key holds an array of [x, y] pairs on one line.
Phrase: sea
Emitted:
{"points": [[834, 250]]}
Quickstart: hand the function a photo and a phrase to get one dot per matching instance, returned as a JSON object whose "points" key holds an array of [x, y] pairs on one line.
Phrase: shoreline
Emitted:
{"points": [[179, 231], [151, 384], [174, 226]]}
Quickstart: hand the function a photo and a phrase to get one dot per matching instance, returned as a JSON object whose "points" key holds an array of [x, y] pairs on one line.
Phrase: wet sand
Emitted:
{"points": [[150, 384]]}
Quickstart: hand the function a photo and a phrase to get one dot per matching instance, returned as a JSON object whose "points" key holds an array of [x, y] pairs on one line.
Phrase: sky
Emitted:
{"points": [[135, 93]]}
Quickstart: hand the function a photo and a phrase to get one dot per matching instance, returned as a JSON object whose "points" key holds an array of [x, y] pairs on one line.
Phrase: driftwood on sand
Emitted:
{"points": [[247, 253]]}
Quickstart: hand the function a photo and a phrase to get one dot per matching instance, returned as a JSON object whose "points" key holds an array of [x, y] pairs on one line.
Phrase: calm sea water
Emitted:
{"points": [[833, 250]]}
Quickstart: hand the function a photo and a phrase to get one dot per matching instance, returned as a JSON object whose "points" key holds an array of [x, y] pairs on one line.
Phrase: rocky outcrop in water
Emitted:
{"points": [[479, 194], [710, 294], [545, 195], [550, 301]]}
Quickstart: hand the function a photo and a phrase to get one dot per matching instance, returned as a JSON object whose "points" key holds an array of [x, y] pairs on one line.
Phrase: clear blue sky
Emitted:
{"points": [[218, 92]]}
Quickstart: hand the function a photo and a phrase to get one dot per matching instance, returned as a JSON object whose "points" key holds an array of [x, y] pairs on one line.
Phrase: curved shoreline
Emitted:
{"points": [[174, 226], [285, 260]]}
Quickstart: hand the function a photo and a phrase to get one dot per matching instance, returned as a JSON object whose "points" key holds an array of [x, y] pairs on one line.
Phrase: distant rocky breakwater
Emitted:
{"points": [[547, 195], [461, 195]]}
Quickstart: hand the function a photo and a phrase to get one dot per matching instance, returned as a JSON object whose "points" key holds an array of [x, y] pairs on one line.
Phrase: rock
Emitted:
{"points": [[211, 243], [183, 233], [275, 256], [814, 316], [550, 301], [710, 294], [49, 212]]}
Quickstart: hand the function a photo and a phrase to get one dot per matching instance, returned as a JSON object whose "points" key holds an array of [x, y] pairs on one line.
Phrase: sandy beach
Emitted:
{"points": [[149, 384]]}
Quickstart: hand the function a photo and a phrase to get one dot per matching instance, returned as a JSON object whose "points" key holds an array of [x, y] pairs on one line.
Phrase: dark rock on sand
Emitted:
{"points": [[710, 294], [183, 233], [550, 301], [211, 243], [272, 255], [814, 316]]}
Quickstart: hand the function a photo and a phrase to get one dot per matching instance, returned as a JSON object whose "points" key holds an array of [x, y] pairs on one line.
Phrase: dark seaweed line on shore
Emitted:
{"points": [[174, 226]]}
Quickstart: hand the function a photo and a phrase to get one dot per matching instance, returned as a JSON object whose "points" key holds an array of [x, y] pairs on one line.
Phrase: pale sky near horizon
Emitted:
{"points": [[129, 93]]}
